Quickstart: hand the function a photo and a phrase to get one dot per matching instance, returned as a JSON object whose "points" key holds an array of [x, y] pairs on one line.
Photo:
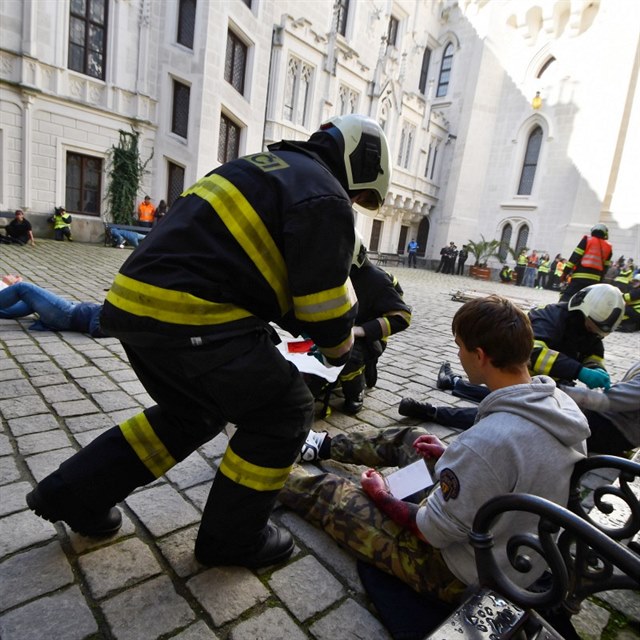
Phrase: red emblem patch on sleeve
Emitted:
{"points": [[449, 484]]}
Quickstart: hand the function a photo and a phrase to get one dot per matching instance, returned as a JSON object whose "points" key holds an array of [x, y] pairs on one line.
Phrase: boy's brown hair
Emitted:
{"points": [[498, 327]]}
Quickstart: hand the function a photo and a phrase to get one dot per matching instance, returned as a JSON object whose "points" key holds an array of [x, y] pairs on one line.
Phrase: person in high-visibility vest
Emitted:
{"points": [[631, 319], [521, 266], [543, 272], [146, 212], [623, 279], [589, 261], [61, 224]]}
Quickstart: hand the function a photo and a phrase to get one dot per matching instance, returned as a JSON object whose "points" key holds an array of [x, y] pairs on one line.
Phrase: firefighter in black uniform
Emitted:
{"points": [[381, 313], [259, 238]]}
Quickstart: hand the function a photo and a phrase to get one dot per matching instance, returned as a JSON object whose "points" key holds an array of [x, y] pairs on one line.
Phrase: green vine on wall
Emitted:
{"points": [[126, 170]]}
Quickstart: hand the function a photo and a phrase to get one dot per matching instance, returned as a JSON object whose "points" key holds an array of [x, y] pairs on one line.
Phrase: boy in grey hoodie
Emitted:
{"points": [[527, 438]]}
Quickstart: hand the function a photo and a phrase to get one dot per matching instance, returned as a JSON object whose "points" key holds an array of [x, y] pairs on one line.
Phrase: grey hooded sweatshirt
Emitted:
{"points": [[526, 439]]}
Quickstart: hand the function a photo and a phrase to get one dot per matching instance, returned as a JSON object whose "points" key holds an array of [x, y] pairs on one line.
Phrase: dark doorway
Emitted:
{"points": [[423, 236]]}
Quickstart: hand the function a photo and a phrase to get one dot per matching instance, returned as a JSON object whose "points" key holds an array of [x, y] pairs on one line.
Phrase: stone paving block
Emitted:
{"points": [[46, 368], [67, 616], [8, 470], [227, 592], [21, 530], [80, 544], [123, 375], [24, 406], [132, 387], [191, 471], [33, 573], [178, 551], [199, 494], [147, 611], [74, 408], [341, 562], [61, 393], [273, 624], [216, 447], [57, 349], [162, 509], [89, 422], [306, 587], [69, 361], [10, 373], [113, 400], [33, 424], [110, 364], [384, 396], [350, 621], [117, 566], [39, 442], [12, 497], [96, 384], [42, 464], [5, 445], [16, 388], [48, 380], [87, 371], [197, 631], [28, 358], [627, 602], [591, 621], [118, 417], [85, 437]]}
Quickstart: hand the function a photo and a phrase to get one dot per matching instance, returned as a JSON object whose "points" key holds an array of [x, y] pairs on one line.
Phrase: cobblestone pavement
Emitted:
{"points": [[59, 391]]}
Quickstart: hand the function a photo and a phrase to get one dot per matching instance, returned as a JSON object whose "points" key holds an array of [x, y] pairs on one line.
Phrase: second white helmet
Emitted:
{"points": [[603, 304]]}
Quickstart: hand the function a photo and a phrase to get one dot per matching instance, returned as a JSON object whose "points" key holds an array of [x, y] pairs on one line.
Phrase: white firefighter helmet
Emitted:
{"points": [[600, 230], [603, 304], [359, 251], [365, 153]]}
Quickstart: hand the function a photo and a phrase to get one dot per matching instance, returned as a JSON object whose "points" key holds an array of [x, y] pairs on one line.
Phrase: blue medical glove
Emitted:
{"points": [[594, 378]]}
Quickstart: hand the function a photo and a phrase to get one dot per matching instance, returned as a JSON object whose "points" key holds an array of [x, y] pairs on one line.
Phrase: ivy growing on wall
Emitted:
{"points": [[125, 173]]}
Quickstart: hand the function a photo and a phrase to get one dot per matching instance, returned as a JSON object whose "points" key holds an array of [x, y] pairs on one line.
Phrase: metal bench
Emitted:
{"points": [[587, 549], [108, 240], [390, 258]]}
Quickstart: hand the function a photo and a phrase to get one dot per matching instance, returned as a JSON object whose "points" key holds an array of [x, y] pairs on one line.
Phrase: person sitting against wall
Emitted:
{"points": [[19, 299], [19, 231], [61, 224]]}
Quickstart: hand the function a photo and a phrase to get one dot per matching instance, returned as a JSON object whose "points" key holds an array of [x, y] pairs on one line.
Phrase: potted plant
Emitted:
{"points": [[482, 251]]}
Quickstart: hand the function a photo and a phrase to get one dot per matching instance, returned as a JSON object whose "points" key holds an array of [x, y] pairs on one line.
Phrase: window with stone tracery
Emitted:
{"points": [[407, 137], [348, 100], [297, 96]]}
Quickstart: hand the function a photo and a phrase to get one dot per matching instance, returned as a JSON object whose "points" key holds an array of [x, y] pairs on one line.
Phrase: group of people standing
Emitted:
{"points": [[448, 256]]}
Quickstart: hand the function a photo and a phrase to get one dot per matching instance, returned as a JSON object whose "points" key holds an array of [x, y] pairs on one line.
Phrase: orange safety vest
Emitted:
{"points": [[596, 254], [145, 212]]}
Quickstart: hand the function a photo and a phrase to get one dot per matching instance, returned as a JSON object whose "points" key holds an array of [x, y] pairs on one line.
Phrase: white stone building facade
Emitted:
{"points": [[451, 82]]}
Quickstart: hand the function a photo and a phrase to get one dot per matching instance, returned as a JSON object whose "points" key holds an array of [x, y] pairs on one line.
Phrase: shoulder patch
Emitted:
{"points": [[449, 484], [266, 161]]}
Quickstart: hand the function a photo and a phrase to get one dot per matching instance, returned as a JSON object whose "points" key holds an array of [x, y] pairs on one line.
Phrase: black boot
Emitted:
{"points": [[353, 405], [96, 526], [414, 409], [446, 379], [371, 374]]}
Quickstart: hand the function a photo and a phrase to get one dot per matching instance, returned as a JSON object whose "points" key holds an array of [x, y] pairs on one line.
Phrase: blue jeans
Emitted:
{"points": [[23, 298]]}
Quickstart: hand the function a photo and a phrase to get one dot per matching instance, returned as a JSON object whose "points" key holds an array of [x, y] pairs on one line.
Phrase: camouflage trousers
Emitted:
{"points": [[345, 512]]}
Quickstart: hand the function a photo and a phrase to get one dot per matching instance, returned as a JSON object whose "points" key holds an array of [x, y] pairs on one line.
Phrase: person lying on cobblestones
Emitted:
{"points": [[613, 415], [19, 299], [567, 345], [120, 237], [258, 238], [528, 437]]}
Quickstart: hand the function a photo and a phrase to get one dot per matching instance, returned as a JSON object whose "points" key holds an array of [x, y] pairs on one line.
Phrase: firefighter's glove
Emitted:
{"points": [[594, 378], [319, 356]]}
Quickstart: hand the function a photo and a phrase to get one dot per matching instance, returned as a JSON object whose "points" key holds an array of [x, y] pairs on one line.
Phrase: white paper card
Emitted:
{"points": [[309, 364], [406, 481]]}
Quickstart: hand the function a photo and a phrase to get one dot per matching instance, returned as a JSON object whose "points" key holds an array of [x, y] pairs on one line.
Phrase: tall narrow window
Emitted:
{"points": [[348, 99], [424, 71], [523, 237], [175, 183], [236, 62], [433, 163], [180, 114], [428, 165], [297, 93], [342, 13], [392, 31], [186, 22], [407, 136], [229, 139], [83, 184], [376, 232], [88, 37], [445, 72], [530, 163], [505, 241], [402, 240]]}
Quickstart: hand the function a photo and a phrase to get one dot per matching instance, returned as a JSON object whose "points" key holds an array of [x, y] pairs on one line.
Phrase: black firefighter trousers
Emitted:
{"points": [[245, 381]]}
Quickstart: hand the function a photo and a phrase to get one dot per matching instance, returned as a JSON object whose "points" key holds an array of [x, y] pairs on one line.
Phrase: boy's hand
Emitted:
{"points": [[373, 484], [428, 447]]}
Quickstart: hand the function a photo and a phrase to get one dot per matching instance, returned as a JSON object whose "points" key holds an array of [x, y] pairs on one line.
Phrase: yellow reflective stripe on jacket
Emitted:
{"points": [[246, 226], [579, 275], [324, 305], [167, 305], [595, 361], [386, 327], [251, 475], [139, 433], [335, 353], [347, 377], [545, 360]]}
